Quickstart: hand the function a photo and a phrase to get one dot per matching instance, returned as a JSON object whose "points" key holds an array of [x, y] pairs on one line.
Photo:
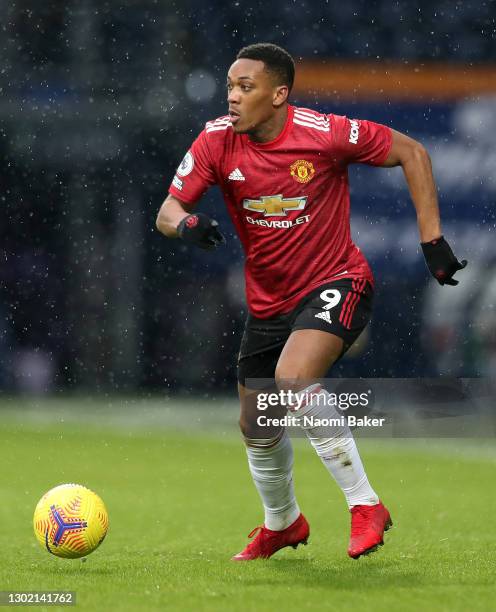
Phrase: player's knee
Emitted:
{"points": [[290, 378]]}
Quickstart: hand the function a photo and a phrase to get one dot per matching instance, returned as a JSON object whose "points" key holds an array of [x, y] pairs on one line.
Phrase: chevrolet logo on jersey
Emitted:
{"points": [[275, 205]]}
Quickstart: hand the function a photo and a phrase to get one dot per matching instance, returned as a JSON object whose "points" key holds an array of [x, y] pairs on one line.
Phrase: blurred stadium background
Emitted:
{"points": [[101, 317], [99, 102]]}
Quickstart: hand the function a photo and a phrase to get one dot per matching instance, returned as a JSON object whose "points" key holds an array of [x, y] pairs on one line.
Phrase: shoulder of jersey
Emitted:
{"points": [[221, 124], [311, 119]]}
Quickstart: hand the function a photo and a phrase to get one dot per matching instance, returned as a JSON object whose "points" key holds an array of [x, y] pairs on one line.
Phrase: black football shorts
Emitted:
{"points": [[342, 307]]}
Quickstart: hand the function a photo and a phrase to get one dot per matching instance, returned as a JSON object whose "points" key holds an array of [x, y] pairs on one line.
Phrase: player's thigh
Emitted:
{"points": [[325, 324], [261, 346], [308, 354]]}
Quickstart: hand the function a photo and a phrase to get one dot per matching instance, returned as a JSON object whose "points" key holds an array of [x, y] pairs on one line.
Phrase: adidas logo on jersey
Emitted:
{"points": [[236, 175], [325, 316]]}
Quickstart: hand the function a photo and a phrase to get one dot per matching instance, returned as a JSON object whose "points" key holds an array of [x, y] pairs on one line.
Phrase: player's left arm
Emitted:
{"points": [[416, 164]]}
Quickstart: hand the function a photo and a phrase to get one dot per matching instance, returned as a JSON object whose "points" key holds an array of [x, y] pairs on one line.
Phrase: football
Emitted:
{"points": [[70, 521]]}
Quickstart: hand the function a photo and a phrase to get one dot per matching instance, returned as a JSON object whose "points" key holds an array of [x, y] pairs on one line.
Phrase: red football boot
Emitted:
{"points": [[269, 542], [368, 524]]}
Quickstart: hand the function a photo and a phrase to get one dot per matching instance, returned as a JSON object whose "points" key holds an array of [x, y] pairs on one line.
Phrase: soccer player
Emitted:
{"points": [[283, 174]]}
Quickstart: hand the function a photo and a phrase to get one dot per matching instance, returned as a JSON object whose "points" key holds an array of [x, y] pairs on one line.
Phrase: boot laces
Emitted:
{"points": [[255, 531], [259, 542]]}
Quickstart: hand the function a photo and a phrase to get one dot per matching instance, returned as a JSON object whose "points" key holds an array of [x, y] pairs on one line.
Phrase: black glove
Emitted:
{"points": [[441, 261], [200, 230]]}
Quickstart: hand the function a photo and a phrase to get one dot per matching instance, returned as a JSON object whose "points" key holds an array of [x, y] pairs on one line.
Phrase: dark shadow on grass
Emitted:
{"points": [[363, 574], [83, 569]]}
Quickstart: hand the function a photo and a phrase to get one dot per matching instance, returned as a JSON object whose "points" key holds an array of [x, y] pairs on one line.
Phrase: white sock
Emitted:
{"points": [[271, 467], [336, 448]]}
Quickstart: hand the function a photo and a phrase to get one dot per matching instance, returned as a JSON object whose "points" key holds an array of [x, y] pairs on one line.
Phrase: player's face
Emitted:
{"points": [[252, 95]]}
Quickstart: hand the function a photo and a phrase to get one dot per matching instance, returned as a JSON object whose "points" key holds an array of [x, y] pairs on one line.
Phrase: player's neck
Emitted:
{"points": [[270, 130]]}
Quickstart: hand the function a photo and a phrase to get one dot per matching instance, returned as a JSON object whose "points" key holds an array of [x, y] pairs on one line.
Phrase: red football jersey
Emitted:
{"points": [[288, 199]]}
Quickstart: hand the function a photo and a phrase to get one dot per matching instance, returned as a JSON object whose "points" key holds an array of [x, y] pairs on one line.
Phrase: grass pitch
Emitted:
{"points": [[181, 502]]}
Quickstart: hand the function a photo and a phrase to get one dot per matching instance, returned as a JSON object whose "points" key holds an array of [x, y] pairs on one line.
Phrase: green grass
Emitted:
{"points": [[181, 503]]}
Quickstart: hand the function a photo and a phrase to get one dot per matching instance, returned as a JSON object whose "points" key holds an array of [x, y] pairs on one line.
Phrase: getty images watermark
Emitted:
{"points": [[333, 406], [401, 407]]}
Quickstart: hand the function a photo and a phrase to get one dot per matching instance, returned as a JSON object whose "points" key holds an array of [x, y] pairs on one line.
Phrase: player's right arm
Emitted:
{"points": [[176, 219], [171, 213]]}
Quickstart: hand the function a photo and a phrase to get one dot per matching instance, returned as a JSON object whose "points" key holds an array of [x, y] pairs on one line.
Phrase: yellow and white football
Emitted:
{"points": [[70, 521]]}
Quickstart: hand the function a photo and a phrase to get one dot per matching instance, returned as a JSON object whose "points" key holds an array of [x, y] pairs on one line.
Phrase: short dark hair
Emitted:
{"points": [[276, 59]]}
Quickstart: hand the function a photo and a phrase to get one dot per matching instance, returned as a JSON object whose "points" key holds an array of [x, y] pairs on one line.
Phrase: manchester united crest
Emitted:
{"points": [[302, 171]]}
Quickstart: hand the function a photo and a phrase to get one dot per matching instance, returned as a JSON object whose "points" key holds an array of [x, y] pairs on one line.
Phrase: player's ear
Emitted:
{"points": [[280, 96]]}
